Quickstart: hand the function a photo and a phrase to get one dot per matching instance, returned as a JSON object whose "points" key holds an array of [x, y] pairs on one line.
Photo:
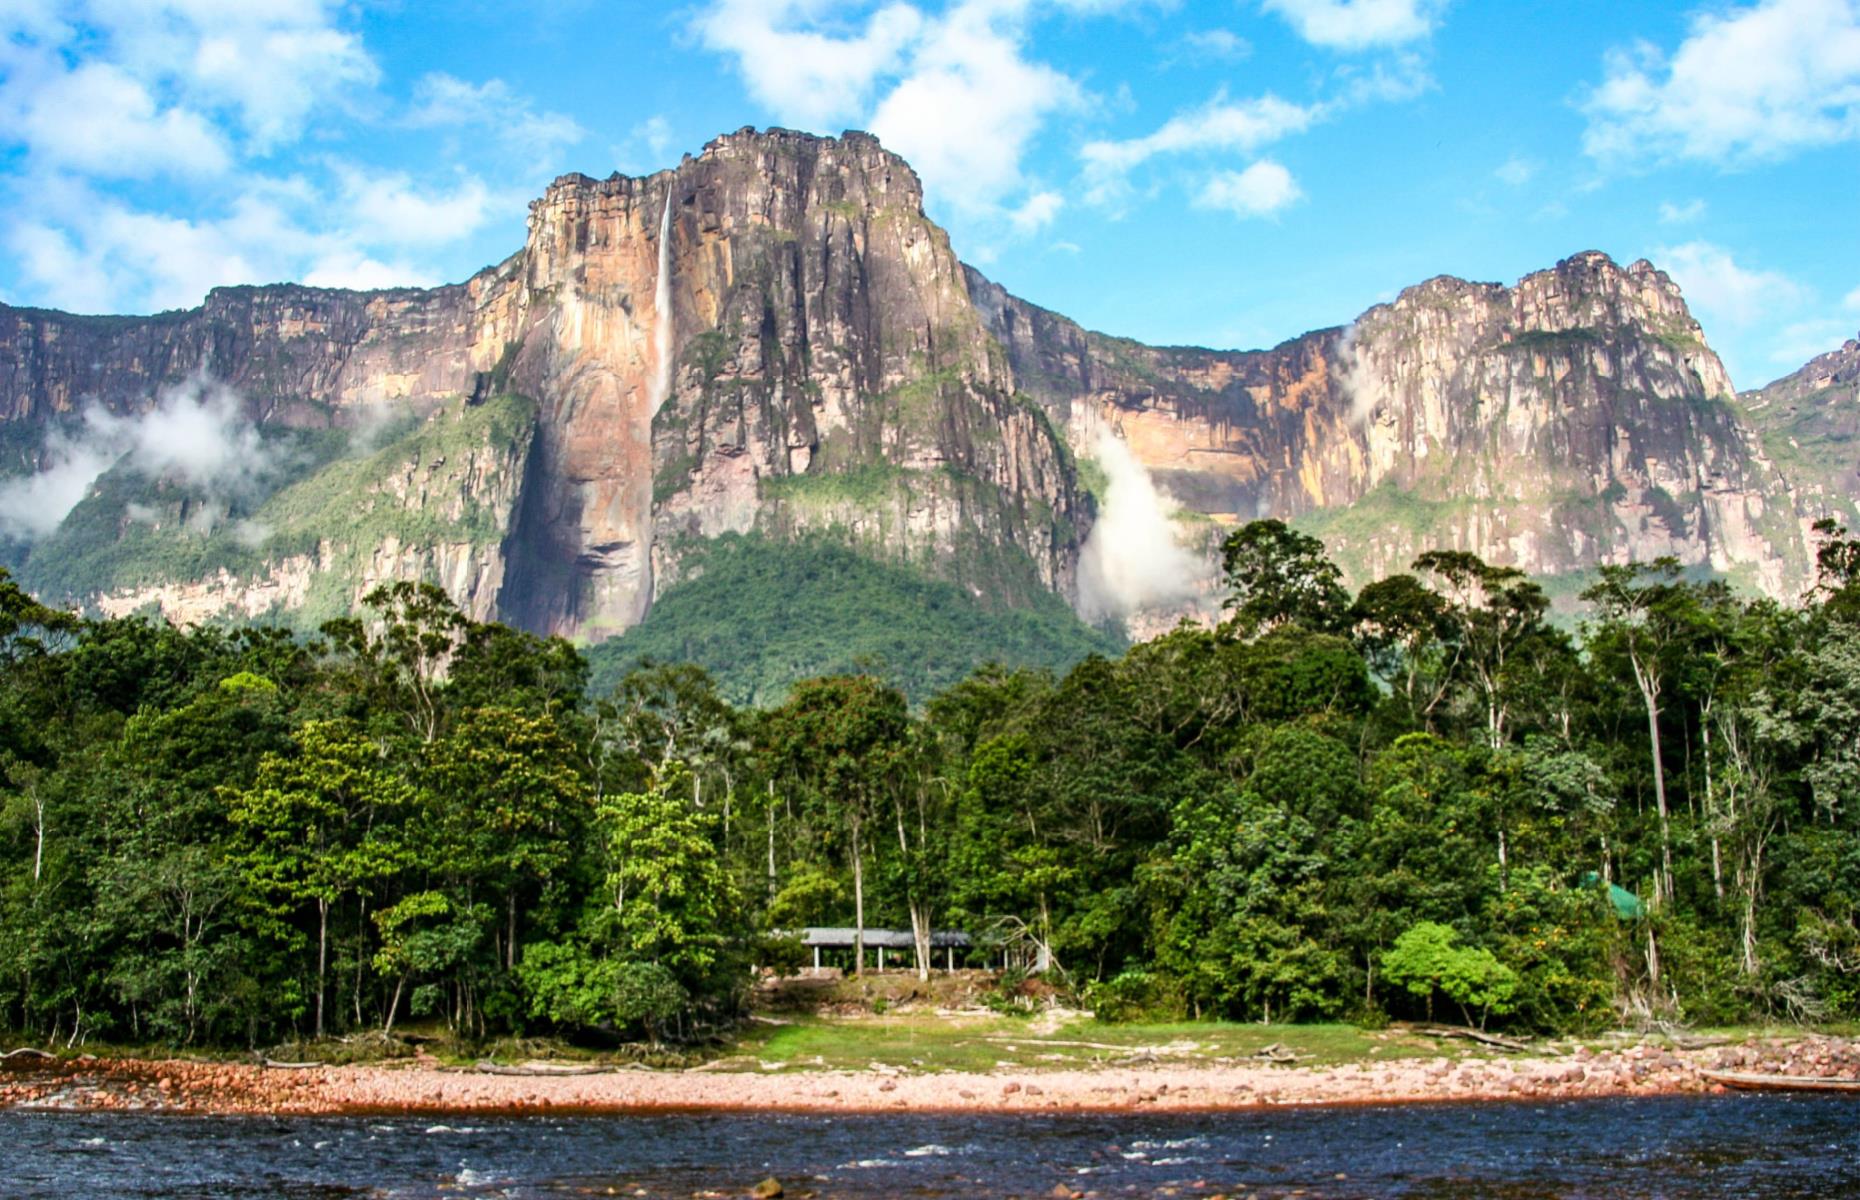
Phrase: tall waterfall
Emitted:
{"points": [[662, 308]]}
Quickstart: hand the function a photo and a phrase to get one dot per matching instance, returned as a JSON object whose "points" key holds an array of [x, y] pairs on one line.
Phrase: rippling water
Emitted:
{"points": [[1730, 1146]]}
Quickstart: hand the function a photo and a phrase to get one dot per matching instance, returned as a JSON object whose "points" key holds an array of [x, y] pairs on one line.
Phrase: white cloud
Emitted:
{"points": [[1681, 214], [98, 119], [1261, 190], [441, 101], [971, 103], [954, 93], [196, 433], [1358, 24], [1219, 125], [1037, 213], [115, 257], [1065, 248], [1717, 286], [1221, 45], [391, 209], [1516, 171], [1747, 83], [264, 66], [1851, 301], [811, 75]]}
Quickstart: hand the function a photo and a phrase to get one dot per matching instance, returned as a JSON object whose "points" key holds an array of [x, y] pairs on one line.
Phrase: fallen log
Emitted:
{"points": [[1758, 1082], [1473, 1035], [276, 1065], [534, 1069], [28, 1052]]}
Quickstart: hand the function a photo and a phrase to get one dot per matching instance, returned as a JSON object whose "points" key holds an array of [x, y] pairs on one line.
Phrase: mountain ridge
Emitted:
{"points": [[825, 364]]}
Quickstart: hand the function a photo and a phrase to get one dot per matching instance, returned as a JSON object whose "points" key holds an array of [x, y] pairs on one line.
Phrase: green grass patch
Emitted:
{"points": [[936, 1043]]}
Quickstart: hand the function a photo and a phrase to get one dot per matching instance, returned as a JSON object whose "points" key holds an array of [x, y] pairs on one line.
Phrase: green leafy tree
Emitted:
{"points": [[1428, 958]]}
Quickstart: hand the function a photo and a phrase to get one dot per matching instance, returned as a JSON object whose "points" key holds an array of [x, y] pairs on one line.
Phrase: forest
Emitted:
{"points": [[1426, 797]]}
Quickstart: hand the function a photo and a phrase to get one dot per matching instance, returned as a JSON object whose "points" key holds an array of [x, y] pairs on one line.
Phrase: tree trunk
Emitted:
{"points": [[858, 902], [1650, 694], [394, 1004], [322, 958], [510, 927], [771, 839]]}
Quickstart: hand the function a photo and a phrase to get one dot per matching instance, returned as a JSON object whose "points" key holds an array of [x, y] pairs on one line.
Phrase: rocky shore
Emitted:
{"points": [[90, 1084]]}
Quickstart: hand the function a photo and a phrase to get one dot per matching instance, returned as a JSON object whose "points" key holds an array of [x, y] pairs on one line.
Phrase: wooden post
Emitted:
{"points": [[950, 958], [816, 958], [881, 958]]}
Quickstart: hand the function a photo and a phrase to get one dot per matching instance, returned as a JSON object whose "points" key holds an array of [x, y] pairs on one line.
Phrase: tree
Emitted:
{"points": [[1645, 608], [1276, 575], [1428, 958], [843, 738], [671, 899], [1493, 611], [320, 825]]}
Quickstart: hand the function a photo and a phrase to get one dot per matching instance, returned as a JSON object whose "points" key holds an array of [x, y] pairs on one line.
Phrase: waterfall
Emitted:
{"points": [[662, 308]]}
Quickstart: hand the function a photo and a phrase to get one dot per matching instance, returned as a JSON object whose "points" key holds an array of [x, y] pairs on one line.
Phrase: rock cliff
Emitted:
{"points": [[1574, 419], [772, 338], [1810, 424]]}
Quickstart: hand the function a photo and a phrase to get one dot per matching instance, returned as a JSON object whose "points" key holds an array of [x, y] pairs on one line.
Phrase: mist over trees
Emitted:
{"points": [[1423, 798]]}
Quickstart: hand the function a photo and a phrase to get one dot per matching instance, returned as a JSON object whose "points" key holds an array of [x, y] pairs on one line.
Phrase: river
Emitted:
{"points": [[1668, 1147]]}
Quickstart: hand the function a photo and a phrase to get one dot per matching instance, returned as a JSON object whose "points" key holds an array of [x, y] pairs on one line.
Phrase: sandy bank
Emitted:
{"points": [[93, 1084]]}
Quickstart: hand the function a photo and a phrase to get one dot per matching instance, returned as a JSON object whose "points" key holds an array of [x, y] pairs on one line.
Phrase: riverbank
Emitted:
{"points": [[428, 1087]]}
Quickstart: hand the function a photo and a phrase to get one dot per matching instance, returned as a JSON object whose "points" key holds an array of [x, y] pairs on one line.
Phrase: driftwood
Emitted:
{"points": [[1473, 1035], [27, 1052], [491, 1068], [1753, 1082], [276, 1065]]}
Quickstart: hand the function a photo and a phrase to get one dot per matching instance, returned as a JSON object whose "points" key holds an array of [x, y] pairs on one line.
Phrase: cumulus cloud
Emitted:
{"points": [[1358, 24], [120, 257], [1259, 191], [1746, 84], [1132, 559], [1037, 213], [98, 119], [1724, 290], [972, 102], [955, 91], [81, 86], [196, 433], [99, 96], [390, 208], [1681, 214], [799, 59]]}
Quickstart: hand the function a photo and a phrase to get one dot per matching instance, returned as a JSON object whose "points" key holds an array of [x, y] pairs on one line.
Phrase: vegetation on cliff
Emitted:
{"points": [[761, 615], [1331, 806]]}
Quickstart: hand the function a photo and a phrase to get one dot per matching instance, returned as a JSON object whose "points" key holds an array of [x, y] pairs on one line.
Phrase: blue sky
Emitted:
{"points": [[1228, 173]]}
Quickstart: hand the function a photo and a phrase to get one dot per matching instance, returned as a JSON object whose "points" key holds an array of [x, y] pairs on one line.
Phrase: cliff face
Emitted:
{"points": [[1810, 424], [770, 337], [773, 338], [1577, 418]]}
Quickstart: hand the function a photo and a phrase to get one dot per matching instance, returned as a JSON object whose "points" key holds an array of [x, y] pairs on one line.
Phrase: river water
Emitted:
{"points": [[1670, 1147]]}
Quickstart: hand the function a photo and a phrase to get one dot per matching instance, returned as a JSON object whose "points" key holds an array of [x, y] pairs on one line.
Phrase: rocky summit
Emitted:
{"points": [[772, 340]]}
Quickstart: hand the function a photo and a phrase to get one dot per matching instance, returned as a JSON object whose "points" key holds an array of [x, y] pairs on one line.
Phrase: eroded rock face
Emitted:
{"points": [[1577, 418], [772, 338], [1810, 423], [811, 361]]}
